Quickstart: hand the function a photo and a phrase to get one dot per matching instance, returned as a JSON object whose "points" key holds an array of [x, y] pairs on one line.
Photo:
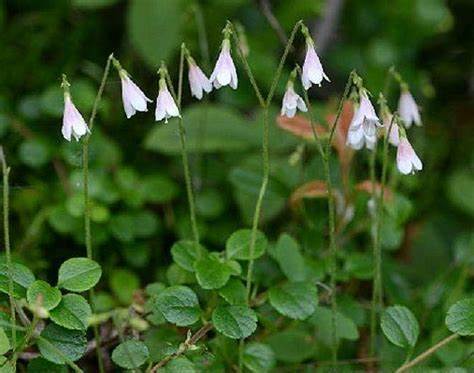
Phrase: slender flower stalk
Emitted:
{"points": [[264, 103], [87, 203], [182, 137], [325, 153], [6, 237]]}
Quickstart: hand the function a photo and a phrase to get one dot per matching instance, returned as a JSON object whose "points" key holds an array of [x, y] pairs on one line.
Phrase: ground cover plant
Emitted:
{"points": [[234, 191]]}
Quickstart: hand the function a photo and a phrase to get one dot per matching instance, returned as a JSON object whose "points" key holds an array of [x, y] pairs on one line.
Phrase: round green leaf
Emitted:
{"points": [[238, 245], [345, 327], [130, 354], [73, 312], [49, 296], [22, 279], [259, 358], [58, 344], [460, 318], [292, 346], [179, 365], [234, 292], [235, 322], [79, 274], [185, 253], [211, 273], [400, 326], [179, 305], [287, 254], [297, 300]]}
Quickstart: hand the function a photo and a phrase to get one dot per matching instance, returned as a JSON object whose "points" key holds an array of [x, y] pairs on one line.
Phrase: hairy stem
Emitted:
{"points": [[87, 203], [6, 237], [427, 353], [373, 234]]}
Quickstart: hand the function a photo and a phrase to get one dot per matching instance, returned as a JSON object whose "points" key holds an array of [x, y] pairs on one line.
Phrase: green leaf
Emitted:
{"points": [[235, 322], [287, 254], [400, 326], [359, 265], [40, 365], [48, 296], [238, 245], [155, 23], [179, 305], [22, 279], [130, 354], [123, 284], [226, 131], [185, 253], [4, 342], [79, 274], [345, 327], [234, 292], [259, 357], [73, 312], [460, 317], [179, 365], [92, 4], [211, 272], [297, 300], [292, 346], [59, 345], [34, 153]]}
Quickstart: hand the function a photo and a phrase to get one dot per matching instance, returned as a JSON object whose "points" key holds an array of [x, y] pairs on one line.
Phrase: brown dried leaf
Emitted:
{"points": [[301, 127], [312, 189], [366, 186]]}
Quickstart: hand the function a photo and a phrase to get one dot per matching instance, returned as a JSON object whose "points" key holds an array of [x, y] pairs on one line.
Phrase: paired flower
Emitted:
{"points": [[408, 109], [165, 105], [291, 100], [224, 72], [407, 160], [363, 127], [198, 81], [313, 72], [73, 122]]}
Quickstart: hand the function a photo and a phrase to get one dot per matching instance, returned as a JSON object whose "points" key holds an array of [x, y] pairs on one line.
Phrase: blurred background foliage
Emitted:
{"points": [[137, 186]]}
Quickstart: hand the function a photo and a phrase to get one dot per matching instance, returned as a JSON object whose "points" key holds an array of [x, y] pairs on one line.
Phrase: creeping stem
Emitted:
{"points": [[6, 236], [87, 203]]}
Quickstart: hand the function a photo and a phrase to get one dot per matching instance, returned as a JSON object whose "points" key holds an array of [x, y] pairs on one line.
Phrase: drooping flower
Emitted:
{"points": [[363, 127], [313, 72], [198, 81], [73, 122], [224, 72], [408, 109], [291, 102], [165, 105], [407, 160], [132, 96]]}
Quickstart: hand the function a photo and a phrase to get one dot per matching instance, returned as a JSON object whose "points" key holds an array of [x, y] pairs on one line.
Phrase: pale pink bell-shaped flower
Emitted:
{"points": [[313, 72], [73, 122], [198, 82], [224, 72], [408, 109], [393, 136], [363, 127], [132, 96], [407, 160], [291, 102], [165, 105]]}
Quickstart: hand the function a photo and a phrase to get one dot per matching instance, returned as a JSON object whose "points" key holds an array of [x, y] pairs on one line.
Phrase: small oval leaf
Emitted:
{"points": [[400, 326], [42, 292], [296, 300], [235, 321], [460, 317], [130, 354], [238, 245], [73, 312], [79, 274], [58, 344], [179, 305]]}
